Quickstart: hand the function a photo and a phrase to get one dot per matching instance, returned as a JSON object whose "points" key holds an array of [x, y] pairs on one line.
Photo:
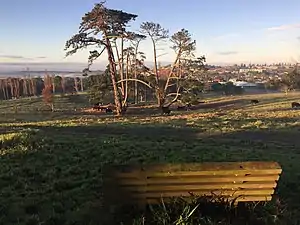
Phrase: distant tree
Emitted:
{"points": [[25, 87], [191, 91], [227, 89], [81, 84], [291, 81], [99, 28], [128, 55], [217, 87], [3, 87], [138, 59], [17, 87], [184, 68], [57, 81], [10, 81], [6, 88], [33, 87], [38, 83], [76, 84], [47, 92], [63, 85], [157, 34], [192, 81], [100, 87], [53, 83], [230, 89]]}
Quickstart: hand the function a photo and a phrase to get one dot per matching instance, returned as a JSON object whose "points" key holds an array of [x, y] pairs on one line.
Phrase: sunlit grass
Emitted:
{"points": [[53, 170]]}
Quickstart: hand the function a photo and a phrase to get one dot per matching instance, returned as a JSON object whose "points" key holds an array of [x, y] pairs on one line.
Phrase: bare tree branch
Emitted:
{"points": [[172, 94], [132, 79]]}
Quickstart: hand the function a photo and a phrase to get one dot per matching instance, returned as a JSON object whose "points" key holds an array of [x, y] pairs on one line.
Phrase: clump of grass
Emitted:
{"points": [[209, 211], [24, 138], [8, 139]]}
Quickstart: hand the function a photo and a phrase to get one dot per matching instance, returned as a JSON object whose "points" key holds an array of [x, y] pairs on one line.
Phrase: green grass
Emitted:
{"points": [[206, 210], [51, 163]]}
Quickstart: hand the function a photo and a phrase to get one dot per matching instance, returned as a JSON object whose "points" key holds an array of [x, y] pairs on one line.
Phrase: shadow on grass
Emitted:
{"points": [[77, 99], [55, 177], [222, 104], [10, 104], [47, 115], [286, 109]]}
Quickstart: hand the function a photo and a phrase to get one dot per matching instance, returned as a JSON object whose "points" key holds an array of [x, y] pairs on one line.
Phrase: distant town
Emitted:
{"points": [[239, 73], [251, 73], [251, 77]]}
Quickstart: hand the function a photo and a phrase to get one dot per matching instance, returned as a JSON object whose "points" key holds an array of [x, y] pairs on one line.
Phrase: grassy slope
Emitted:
{"points": [[60, 182]]}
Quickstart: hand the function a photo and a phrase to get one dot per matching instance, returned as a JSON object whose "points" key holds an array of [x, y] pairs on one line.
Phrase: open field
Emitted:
{"points": [[51, 163]]}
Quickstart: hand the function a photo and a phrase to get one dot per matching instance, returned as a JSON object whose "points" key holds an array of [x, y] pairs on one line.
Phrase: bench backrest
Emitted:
{"points": [[242, 181]]}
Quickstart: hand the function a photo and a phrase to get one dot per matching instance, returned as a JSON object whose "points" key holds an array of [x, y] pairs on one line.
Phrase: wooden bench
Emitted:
{"points": [[242, 181]]}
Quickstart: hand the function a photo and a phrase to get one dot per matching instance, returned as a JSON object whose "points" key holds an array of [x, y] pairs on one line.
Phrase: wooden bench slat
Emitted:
{"points": [[206, 166], [247, 198], [198, 179], [217, 173], [254, 181], [162, 188], [257, 192], [199, 173]]}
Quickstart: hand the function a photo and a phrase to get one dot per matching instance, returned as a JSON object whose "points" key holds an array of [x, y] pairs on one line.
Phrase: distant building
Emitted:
{"points": [[251, 70], [243, 84]]}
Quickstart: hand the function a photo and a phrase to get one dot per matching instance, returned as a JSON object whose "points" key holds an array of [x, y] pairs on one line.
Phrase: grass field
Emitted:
{"points": [[51, 162]]}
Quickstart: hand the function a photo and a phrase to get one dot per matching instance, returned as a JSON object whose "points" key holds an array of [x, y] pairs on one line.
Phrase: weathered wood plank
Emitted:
{"points": [[206, 166], [257, 192], [197, 187], [250, 181], [151, 174], [238, 199], [198, 179]]}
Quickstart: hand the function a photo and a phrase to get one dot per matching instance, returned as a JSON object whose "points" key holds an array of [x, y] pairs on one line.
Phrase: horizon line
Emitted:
{"points": [[169, 62]]}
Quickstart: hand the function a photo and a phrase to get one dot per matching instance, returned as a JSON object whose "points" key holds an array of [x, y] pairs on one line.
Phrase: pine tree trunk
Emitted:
{"points": [[17, 88], [76, 84], [113, 74], [160, 97], [81, 84], [6, 89], [136, 93], [11, 88], [53, 84], [126, 82], [63, 84], [33, 88], [25, 94]]}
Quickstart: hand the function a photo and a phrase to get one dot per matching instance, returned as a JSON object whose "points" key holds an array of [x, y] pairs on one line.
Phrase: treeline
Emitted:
{"points": [[14, 88]]}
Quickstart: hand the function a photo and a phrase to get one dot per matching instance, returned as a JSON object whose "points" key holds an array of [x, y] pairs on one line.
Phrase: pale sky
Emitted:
{"points": [[232, 31]]}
